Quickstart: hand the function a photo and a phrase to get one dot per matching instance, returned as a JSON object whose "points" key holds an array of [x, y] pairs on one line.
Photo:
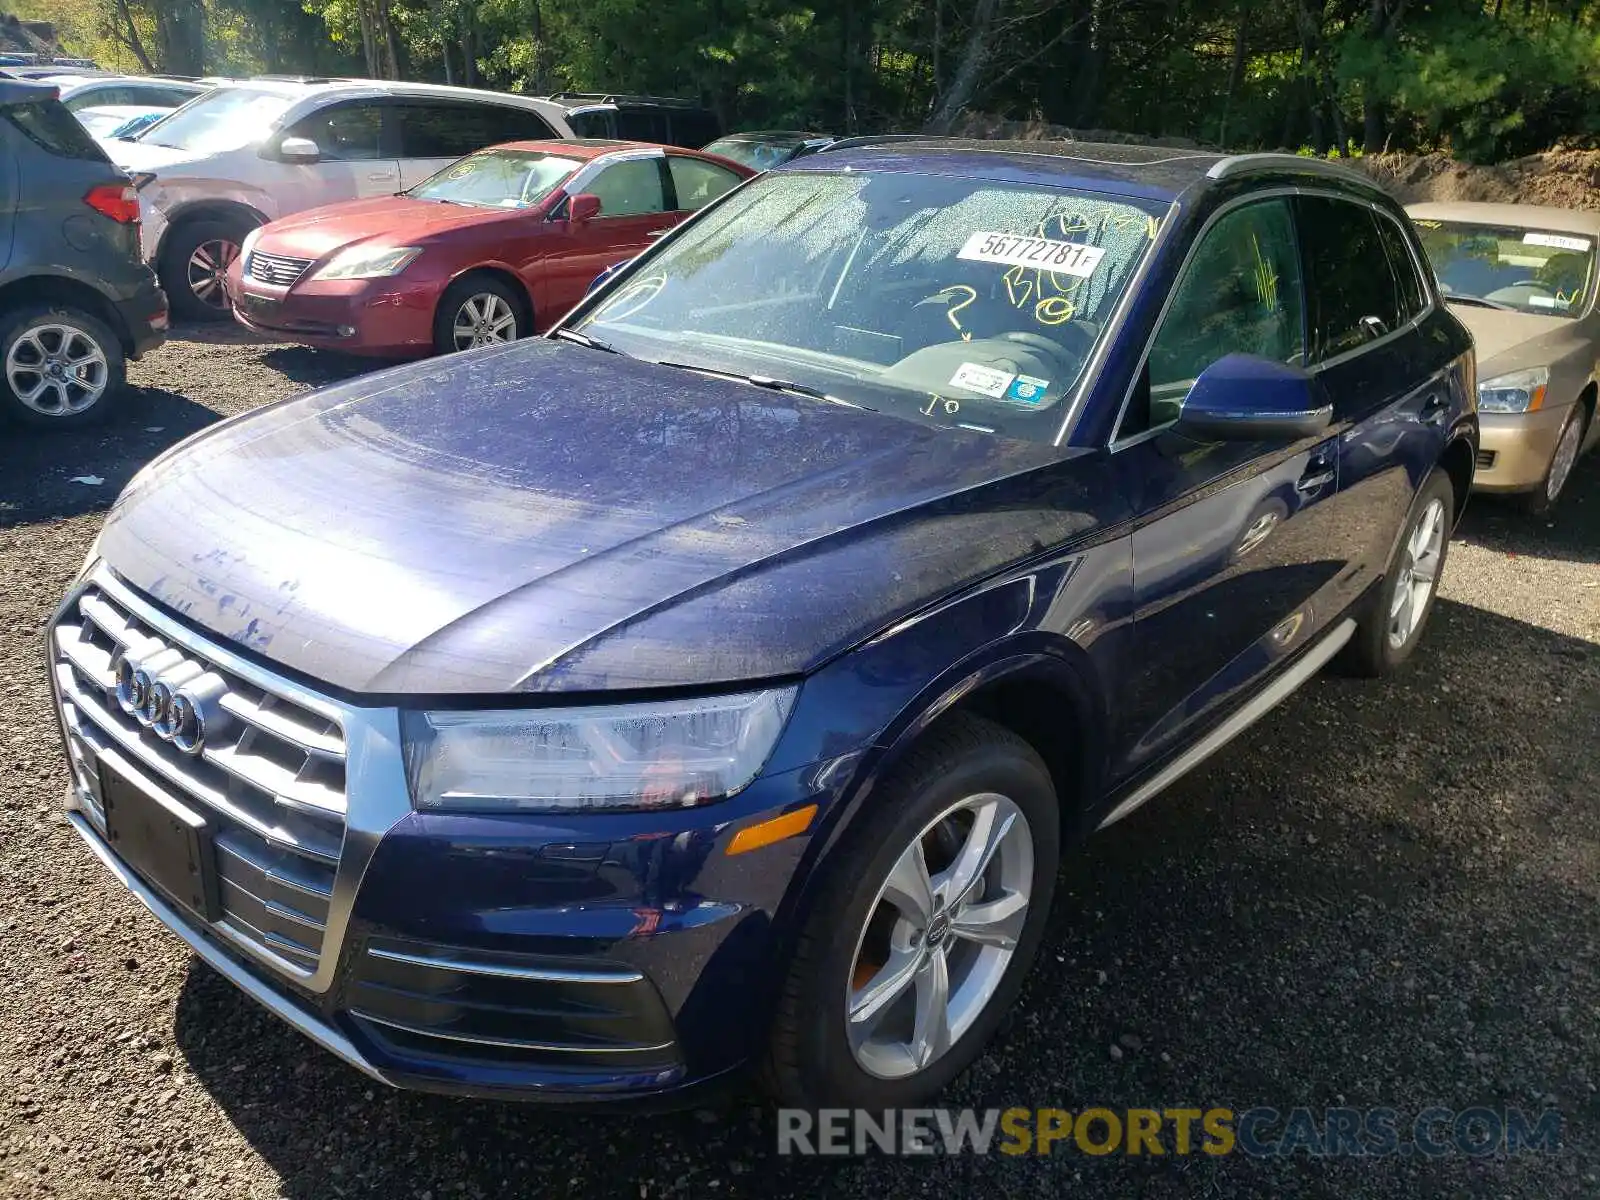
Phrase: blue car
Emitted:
{"points": [[714, 683]]}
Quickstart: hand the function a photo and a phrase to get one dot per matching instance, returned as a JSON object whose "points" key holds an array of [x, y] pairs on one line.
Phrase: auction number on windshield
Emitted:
{"points": [[1065, 258]]}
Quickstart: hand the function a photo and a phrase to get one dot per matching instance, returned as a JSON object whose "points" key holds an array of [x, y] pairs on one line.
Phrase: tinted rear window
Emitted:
{"points": [[454, 130], [53, 129]]}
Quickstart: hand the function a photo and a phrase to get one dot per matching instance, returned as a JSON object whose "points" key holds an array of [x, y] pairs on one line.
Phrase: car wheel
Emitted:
{"points": [[928, 921], [1565, 456], [478, 310], [1392, 627], [58, 366], [194, 268]]}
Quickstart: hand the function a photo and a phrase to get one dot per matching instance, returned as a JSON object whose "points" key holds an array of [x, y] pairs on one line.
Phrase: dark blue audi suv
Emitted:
{"points": [[715, 682]]}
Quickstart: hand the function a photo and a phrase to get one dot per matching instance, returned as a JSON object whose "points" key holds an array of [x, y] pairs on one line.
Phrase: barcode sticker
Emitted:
{"points": [[1009, 250], [1556, 241]]}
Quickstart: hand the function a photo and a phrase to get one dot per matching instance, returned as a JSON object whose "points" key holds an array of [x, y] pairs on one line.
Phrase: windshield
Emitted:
{"points": [[1525, 269], [758, 154], [936, 298], [498, 179], [223, 119]]}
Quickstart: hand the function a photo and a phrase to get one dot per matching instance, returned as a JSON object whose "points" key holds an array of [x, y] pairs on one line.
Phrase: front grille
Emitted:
{"points": [[1486, 459], [277, 269], [271, 783]]}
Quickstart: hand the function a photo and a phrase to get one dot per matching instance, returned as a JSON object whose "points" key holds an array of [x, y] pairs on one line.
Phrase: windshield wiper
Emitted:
{"points": [[583, 339], [763, 381], [1479, 301]]}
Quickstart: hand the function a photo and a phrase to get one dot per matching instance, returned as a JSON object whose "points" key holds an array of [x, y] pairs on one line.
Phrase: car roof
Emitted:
{"points": [[1154, 172], [305, 88], [588, 149], [1519, 216], [750, 135], [25, 91]]}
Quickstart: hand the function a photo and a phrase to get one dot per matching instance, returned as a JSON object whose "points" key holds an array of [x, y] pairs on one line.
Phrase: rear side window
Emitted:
{"points": [[694, 127], [1354, 298], [596, 123], [642, 125], [455, 130], [1413, 293], [53, 129], [698, 183]]}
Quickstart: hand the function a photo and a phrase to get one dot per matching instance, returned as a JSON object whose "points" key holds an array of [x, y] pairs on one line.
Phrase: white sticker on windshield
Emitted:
{"points": [[986, 381], [1544, 302], [1556, 241], [1009, 250]]}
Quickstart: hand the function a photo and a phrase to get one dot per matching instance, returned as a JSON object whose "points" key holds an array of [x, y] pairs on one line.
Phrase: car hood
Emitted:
{"points": [[396, 219], [1508, 341], [147, 156], [547, 517]]}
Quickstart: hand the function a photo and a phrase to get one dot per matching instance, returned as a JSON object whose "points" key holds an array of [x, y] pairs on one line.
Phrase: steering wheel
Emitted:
{"points": [[1081, 331]]}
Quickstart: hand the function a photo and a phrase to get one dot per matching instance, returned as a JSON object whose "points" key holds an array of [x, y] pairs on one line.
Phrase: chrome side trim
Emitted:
{"points": [[506, 970], [1274, 694], [324, 1035], [1239, 164], [508, 1043]]}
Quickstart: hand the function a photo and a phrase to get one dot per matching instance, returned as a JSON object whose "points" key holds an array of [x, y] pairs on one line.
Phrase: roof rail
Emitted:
{"points": [[623, 98], [300, 78], [1239, 164], [881, 139]]}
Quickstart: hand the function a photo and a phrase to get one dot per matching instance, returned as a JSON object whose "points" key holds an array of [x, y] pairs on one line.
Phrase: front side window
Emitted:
{"points": [[698, 183], [1354, 297], [344, 133], [221, 120], [1529, 270], [497, 179], [939, 299], [629, 189], [1240, 293]]}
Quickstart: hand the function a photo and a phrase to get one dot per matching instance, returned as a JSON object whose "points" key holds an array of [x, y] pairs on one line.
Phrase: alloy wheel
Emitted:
{"points": [[939, 936], [484, 320], [208, 271], [57, 370], [1565, 456], [1419, 574]]}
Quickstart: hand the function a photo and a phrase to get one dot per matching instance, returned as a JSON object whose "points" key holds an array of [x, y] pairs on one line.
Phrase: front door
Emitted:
{"points": [[1235, 543], [351, 165]]}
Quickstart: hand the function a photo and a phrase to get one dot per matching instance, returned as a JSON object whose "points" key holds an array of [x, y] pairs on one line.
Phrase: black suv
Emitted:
{"points": [[76, 300], [662, 119]]}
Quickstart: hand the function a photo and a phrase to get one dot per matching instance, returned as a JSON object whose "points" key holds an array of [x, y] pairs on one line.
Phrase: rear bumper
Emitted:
{"points": [[1514, 449], [144, 317]]}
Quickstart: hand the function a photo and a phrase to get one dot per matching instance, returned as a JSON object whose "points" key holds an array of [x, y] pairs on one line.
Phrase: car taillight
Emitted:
{"points": [[117, 201]]}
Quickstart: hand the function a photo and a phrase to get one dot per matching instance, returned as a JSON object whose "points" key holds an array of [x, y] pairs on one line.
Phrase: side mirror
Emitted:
{"points": [[584, 206], [607, 274], [1244, 398], [299, 150]]}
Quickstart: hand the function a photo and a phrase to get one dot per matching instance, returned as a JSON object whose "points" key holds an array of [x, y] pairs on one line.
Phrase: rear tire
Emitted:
{"points": [[1569, 444], [479, 310], [1393, 625], [835, 1040], [194, 264], [60, 368]]}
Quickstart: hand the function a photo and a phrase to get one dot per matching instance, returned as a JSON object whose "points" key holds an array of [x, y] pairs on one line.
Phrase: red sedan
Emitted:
{"points": [[494, 247]]}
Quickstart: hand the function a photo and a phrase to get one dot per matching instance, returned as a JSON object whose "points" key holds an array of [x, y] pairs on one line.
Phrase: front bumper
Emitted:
{"points": [[390, 318], [562, 958], [1514, 449]]}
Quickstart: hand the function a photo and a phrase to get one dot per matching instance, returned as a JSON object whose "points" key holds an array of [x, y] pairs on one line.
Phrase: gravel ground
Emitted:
{"points": [[1383, 895]]}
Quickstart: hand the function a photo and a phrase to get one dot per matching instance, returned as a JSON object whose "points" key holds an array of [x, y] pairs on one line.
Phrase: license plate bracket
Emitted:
{"points": [[166, 843]]}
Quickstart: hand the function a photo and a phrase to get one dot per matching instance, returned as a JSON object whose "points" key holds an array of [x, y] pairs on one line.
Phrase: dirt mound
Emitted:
{"points": [[1561, 178]]}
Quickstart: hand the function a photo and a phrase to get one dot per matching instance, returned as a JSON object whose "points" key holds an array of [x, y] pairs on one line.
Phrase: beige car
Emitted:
{"points": [[1522, 279]]}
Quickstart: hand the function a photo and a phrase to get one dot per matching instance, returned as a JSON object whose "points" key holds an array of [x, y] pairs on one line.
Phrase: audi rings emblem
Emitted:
{"points": [[175, 698]]}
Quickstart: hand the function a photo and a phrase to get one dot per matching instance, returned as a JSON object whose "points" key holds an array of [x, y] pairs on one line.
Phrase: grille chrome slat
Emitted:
{"points": [[269, 775], [280, 269]]}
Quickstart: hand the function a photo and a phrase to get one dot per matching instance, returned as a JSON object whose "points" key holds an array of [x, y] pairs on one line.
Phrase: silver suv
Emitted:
{"points": [[251, 152]]}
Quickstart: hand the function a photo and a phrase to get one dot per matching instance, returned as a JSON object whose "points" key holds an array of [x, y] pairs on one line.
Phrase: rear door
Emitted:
{"points": [[696, 183], [1391, 389], [431, 135], [353, 164], [635, 206]]}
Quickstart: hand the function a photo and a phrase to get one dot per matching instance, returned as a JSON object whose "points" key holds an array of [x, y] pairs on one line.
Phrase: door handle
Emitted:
{"points": [[380, 176], [1374, 326], [1435, 410], [656, 233], [1319, 473]]}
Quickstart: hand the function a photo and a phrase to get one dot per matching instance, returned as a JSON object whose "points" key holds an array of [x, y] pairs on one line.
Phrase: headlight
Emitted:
{"points": [[361, 262], [676, 753], [249, 243], [1518, 392]]}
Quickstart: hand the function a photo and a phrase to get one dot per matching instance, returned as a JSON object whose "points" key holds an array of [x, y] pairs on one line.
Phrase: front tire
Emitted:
{"points": [[479, 310], [194, 267], [1569, 444], [925, 928], [1392, 627], [59, 367]]}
